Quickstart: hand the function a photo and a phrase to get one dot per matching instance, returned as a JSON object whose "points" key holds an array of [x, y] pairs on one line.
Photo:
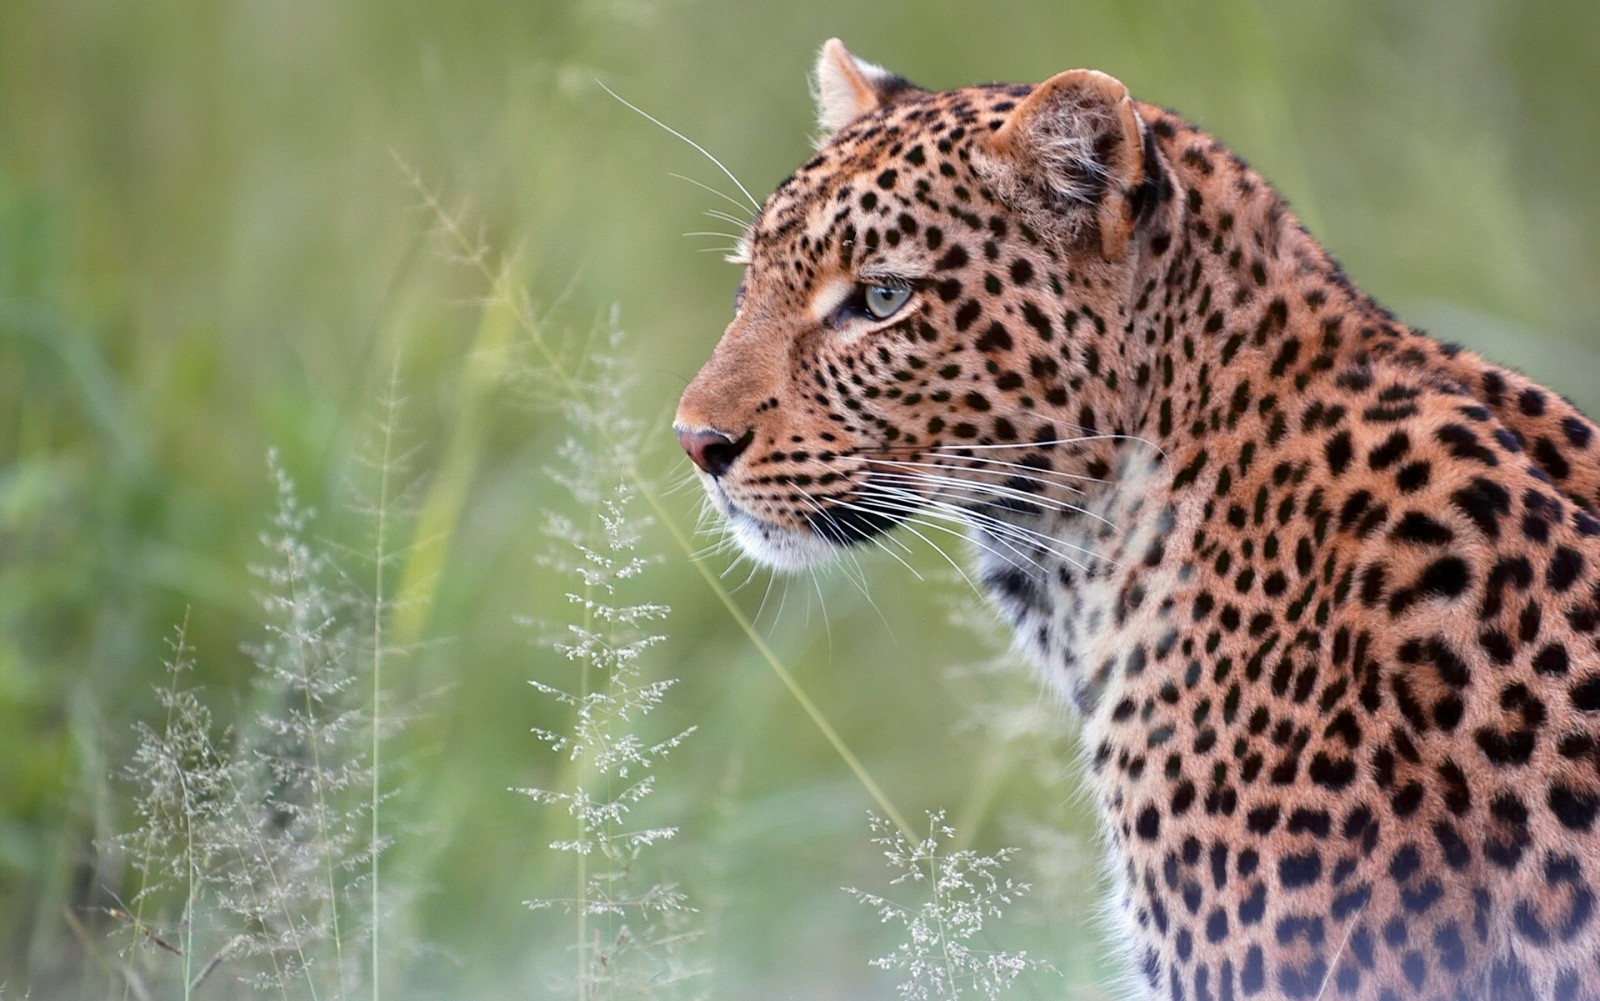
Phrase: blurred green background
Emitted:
{"points": [[208, 249]]}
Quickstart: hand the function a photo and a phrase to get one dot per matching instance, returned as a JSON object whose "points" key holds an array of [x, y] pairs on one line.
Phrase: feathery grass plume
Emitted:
{"points": [[265, 839], [631, 929], [183, 804], [961, 891], [302, 799]]}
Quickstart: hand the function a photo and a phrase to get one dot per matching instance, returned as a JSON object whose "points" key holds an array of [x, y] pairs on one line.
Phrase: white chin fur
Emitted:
{"points": [[779, 548]]}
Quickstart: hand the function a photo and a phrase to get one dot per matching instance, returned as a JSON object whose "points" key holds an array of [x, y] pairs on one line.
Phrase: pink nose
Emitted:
{"points": [[713, 451]]}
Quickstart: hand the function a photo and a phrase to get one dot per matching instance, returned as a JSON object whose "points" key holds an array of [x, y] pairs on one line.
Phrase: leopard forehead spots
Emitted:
{"points": [[1322, 592]]}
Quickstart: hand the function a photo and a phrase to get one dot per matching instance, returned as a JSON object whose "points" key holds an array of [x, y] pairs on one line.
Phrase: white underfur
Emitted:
{"points": [[784, 549], [780, 548], [845, 88]]}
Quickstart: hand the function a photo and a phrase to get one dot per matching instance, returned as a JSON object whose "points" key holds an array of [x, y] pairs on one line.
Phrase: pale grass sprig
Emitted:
{"points": [[633, 930], [958, 892], [182, 804], [386, 497], [266, 837], [305, 796]]}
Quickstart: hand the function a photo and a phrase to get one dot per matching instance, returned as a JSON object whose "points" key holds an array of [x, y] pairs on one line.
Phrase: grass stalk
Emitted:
{"points": [[303, 661], [194, 878], [380, 558], [180, 650], [476, 257], [279, 894], [584, 665]]}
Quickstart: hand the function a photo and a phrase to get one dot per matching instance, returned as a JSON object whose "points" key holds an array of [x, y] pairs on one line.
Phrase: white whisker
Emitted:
{"points": [[720, 194], [919, 512], [842, 542], [703, 151], [822, 606], [910, 525], [978, 490], [1056, 441], [765, 597], [783, 601], [1035, 474], [729, 217], [1038, 541], [682, 483], [878, 540]]}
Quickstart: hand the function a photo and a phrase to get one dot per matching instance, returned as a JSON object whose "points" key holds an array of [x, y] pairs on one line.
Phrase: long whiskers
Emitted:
{"points": [[1004, 532], [728, 217], [977, 491], [720, 194], [906, 505], [1078, 440], [910, 515], [701, 149], [1033, 474], [859, 579], [880, 542]]}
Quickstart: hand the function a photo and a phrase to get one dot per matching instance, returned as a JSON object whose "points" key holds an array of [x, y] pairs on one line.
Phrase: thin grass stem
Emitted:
{"points": [[476, 258]]}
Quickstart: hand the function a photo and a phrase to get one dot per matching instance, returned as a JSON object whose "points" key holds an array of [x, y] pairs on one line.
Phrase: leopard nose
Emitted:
{"points": [[713, 451]]}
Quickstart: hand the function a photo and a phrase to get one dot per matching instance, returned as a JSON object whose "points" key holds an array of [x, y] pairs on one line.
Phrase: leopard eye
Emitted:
{"points": [[883, 301]]}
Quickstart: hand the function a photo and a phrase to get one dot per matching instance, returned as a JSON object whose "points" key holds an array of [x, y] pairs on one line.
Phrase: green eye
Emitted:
{"points": [[883, 301]]}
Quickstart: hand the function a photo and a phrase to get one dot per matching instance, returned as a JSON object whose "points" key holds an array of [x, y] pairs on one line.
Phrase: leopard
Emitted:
{"points": [[1320, 592]]}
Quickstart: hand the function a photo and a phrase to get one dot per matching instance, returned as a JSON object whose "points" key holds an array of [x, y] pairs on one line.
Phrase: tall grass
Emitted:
{"points": [[259, 843], [620, 441], [633, 925]]}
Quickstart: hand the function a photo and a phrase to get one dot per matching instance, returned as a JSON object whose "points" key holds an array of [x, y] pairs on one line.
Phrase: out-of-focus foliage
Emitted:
{"points": [[207, 249]]}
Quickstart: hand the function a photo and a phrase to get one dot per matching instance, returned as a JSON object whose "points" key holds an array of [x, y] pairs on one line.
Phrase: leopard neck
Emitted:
{"points": [[1238, 310], [1234, 301]]}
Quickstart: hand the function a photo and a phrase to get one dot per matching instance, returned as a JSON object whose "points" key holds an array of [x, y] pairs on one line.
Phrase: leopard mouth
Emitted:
{"points": [[853, 523], [829, 527], [879, 501]]}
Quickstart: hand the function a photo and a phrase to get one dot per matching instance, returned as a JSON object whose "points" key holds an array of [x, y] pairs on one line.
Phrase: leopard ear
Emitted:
{"points": [[847, 88], [1077, 141]]}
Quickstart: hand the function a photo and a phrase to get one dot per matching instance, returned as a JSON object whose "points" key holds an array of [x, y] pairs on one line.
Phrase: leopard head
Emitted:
{"points": [[932, 316]]}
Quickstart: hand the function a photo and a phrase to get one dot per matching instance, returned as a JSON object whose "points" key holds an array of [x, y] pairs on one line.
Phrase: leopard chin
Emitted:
{"points": [[780, 548], [776, 547]]}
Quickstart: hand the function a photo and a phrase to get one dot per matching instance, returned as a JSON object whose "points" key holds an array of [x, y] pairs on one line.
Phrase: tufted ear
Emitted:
{"points": [[1078, 142], [847, 88]]}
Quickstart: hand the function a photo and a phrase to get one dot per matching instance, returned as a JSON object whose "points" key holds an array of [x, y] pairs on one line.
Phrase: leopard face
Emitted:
{"points": [[900, 344], [1324, 592]]}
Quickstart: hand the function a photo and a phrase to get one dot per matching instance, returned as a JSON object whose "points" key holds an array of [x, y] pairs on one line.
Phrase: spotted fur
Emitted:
{"points": [[1324, 591]]}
